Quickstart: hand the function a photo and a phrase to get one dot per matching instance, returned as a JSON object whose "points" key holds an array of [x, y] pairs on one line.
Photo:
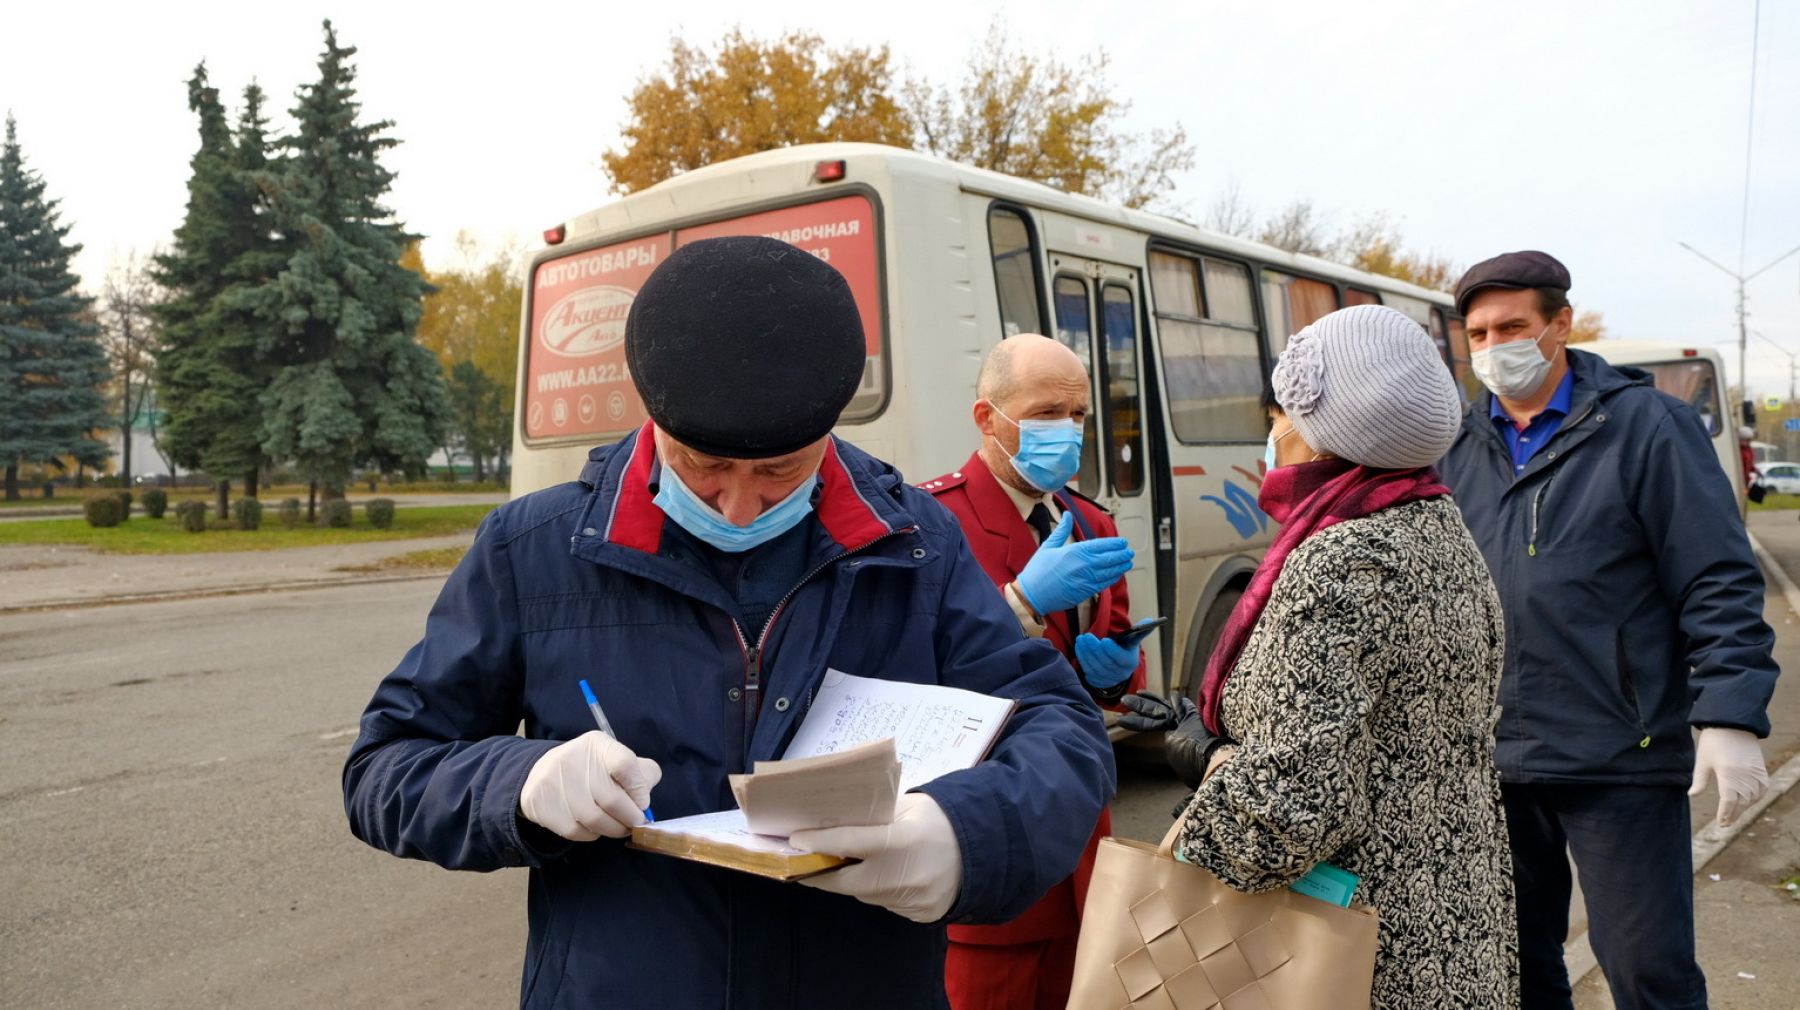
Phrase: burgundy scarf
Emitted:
{"points": [[1304, 498]]}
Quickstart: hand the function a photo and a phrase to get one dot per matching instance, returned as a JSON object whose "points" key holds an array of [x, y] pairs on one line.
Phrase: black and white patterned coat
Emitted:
{"points": [[1364, 704]]}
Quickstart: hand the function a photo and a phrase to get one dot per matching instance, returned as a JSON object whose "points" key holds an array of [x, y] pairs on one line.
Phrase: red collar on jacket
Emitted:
{"points": [[635, 521]]}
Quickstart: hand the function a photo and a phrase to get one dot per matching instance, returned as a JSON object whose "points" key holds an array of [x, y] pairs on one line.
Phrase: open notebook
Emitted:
{"points": [[839, 769]]}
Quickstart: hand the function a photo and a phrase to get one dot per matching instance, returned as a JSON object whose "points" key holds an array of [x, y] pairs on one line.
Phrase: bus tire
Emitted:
{"points": [[1210, 630]]}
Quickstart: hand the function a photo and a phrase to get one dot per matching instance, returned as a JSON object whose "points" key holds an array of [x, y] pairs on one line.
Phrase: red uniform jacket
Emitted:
{"points": [[1002, 544]]}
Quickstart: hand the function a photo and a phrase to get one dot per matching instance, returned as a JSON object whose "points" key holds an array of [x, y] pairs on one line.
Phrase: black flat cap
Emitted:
{"points": [[1513, 270], [744, 347]]}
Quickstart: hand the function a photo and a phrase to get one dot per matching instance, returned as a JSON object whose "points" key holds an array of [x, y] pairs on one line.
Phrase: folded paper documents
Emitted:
{"points": [[851, 787], [862, 743]]}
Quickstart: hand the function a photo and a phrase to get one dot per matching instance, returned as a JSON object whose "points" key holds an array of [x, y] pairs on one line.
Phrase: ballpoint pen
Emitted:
{"points": [[593, 705]]}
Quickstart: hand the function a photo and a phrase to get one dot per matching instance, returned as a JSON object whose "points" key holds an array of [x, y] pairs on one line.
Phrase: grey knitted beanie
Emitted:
{"points": [[1366, 384]]}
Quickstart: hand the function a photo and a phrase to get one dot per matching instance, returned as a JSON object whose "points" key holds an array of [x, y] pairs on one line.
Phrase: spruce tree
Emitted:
{"points": [[210, 373], [351, 387], [52, 364]]}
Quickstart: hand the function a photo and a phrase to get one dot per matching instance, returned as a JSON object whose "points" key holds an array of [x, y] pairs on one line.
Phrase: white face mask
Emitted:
{"points": [[1512, 370]]}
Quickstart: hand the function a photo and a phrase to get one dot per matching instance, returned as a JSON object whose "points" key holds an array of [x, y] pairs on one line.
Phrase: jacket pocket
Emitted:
{"points": [[1628, 688]]}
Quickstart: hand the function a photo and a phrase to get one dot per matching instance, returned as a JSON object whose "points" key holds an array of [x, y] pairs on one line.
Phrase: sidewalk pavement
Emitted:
{"points": [[36, 576], [58, 508], [1748, 926]]}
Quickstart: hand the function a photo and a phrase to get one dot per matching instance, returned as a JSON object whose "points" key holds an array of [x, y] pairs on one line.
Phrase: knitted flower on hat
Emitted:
{"points": [[1300, 375]]}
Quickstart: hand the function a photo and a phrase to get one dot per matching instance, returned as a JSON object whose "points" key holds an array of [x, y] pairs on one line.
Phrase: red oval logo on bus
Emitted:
{"points": [[587, 322]]}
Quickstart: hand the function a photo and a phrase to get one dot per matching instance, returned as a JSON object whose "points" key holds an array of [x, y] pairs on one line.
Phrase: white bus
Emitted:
{"points": [[1691, 375], [1179, 327]]}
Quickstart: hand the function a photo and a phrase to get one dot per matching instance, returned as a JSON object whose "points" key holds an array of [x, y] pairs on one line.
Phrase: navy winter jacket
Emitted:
{"points": [[1633, 602], [577, 581]]}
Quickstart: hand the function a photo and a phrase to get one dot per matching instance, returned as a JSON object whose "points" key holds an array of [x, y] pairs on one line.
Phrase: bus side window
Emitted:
{"points": [[1293, 304], [1459, 357], [1015, 272], [1212, 366], [1074, 328], [1357, 296], [1125, 454]]}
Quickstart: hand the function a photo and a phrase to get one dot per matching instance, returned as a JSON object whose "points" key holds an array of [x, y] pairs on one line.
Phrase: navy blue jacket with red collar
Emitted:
{"points": [[577, 582]]}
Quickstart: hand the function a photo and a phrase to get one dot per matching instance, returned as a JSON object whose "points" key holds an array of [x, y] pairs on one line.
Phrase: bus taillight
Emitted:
{"points": [[554, 236], [828, 171]]}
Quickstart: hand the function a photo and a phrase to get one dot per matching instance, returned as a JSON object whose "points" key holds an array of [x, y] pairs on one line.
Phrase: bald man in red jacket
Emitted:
{"points": [[1058, 560]]}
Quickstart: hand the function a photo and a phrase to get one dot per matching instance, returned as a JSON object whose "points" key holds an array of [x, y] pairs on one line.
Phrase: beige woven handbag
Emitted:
{"points": [[1157, 934]]}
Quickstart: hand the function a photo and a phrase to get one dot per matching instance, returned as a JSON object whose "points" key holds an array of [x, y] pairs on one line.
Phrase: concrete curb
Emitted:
{"points": [[196, 594], [1712, 839]]}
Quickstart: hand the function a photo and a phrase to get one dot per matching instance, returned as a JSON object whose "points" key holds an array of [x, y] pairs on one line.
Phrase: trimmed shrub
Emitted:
{"points": [[380, 512], [247, 514], [192, 515], [124, 504], [291, 513], [156, 502], [103, 511], [334, 513]]}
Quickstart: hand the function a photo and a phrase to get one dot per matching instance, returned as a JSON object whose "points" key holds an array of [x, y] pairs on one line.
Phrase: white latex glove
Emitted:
{"points": [[912, 867], [1734, 756], [590, 786]]}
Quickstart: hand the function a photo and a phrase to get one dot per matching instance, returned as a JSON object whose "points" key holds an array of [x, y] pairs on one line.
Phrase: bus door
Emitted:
{"points": [[1096, 314]]}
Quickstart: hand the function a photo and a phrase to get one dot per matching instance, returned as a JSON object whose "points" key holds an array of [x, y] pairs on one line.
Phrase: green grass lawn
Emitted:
{"points": [[270, 496], [140, 535], [1776, 502]]}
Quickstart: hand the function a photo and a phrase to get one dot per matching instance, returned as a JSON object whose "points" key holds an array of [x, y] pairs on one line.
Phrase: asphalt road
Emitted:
{"points": [[173, 829]]}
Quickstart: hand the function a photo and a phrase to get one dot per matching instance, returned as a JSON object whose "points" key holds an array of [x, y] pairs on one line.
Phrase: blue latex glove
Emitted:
{"points": [[1061, 574], [1104, 662]]}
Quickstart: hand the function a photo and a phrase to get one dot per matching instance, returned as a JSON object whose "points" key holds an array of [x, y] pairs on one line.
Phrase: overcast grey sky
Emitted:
{"points": [[1603, 132]]}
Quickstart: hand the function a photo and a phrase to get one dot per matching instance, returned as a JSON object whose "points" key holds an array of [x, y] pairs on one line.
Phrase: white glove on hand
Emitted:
{"points": [[1736, 758], [912, 867], [590, 786]]}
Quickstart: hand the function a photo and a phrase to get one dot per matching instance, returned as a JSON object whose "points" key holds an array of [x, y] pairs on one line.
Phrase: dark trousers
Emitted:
{"points": [[1633, 849]]}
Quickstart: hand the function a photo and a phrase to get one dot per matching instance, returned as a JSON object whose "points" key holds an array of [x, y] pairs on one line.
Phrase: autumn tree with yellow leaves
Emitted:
{"points": [[1038, 118], [1022, 114], [753, 96], [471, 323]]}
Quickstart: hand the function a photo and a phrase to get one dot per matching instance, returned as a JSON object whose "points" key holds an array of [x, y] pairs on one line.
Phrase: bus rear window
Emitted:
{"points": [[577, 385], [1691, 382]]}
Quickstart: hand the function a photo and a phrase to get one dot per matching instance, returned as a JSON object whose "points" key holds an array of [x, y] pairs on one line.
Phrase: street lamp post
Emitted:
{"points": [[1743, 326]]}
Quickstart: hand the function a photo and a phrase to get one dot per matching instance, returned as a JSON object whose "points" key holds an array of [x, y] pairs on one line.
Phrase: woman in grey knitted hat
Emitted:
{"points": [[1352, 694]]}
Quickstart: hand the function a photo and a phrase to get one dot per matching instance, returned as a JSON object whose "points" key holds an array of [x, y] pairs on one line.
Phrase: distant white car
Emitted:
{"points": [[1781, 478]]}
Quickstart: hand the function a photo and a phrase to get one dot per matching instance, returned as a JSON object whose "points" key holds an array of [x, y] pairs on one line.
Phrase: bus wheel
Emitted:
{"points": [[1210, 630]]}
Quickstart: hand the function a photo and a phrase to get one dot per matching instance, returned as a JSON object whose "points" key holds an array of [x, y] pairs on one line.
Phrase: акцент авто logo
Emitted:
{"points": [[587, 322]]}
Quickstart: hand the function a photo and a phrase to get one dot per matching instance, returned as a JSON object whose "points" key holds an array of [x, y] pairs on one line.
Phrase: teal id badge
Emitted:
{"points": [[1328, 883]]}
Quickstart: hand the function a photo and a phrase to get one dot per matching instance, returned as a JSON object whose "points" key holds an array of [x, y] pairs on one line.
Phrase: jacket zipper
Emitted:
{"points": [[753, 654], [1537, 500], [1628, 688], [1537, 505]]}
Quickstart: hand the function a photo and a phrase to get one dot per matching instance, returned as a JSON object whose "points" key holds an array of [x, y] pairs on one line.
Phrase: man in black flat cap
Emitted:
{"points": [[1633, 616], [702, 575]]}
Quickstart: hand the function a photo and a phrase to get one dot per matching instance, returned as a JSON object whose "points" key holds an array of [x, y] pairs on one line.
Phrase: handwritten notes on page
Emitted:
{"points": [[936, 729], [862, 742]]}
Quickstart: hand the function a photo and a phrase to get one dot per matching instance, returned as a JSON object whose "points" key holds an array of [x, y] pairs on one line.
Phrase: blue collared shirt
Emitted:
{"points": [[1526, 443]]}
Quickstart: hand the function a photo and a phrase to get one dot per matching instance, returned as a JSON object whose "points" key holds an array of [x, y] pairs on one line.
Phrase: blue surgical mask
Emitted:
{"points": [[680, 503], [1269, 450], [1049, 453]]}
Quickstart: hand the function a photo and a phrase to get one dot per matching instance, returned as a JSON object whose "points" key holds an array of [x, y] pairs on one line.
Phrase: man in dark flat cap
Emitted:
{"points": [[1633, 617], [702, 575]]}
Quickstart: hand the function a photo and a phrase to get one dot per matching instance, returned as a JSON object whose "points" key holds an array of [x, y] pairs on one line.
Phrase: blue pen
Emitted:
{"points": [[593, 705]]}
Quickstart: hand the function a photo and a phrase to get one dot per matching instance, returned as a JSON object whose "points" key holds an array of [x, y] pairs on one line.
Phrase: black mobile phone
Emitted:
{"points": [[1138, 632]]}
